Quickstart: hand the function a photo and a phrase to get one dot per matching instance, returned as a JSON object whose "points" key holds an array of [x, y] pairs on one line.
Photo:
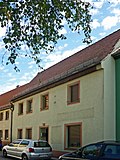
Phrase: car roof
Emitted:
{"points": [[108, 142], [31, 140]]}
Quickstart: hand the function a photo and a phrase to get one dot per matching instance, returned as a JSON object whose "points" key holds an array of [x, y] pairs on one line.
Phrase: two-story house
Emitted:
{"points": [[73, 102]]}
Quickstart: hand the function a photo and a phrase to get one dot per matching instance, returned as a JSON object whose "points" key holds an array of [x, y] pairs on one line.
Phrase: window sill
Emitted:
{"points": [[20, 114], [43, 109], [70, 103]]}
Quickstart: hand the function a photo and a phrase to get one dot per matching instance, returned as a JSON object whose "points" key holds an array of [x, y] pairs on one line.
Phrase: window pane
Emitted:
{"points": [[20, 108], [74, 136], [45, 101], [29, 106], [6, 134], [1, 134], [19, 133], [29, 133], [1, 116], [74, 93]]}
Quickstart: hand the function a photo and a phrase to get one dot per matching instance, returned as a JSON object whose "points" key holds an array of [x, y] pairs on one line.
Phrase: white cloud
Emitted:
{"points": [[95, 24], [109, 22]]}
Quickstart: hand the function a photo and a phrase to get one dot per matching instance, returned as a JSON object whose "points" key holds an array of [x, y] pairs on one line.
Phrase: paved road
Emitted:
{"points": [[8, 158]]}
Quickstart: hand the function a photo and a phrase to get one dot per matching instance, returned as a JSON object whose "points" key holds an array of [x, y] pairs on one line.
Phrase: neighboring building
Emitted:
{"points": [[73, 102], [116, 55], [6, 114]]}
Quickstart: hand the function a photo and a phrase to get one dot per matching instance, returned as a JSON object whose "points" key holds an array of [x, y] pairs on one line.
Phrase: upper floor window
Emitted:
{"points": [[1, 116], [20, 108], [44, 101], [29, 106], [6, 115], [73, 93]]}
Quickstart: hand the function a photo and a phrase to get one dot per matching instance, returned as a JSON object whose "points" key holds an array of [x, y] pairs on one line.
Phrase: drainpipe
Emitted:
{"points": [[11, 124]]}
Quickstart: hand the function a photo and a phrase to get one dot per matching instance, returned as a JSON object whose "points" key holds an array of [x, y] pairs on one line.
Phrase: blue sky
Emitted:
{"points": [[106, 19]]}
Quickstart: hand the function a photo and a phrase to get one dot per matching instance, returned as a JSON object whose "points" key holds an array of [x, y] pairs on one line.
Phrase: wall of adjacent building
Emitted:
{"points": [[118, 99], [5, 124], [89, 112], [109, 98]]}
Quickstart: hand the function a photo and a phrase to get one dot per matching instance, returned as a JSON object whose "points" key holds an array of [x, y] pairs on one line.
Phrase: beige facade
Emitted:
{"points": [[88, 112], [5, 125]]}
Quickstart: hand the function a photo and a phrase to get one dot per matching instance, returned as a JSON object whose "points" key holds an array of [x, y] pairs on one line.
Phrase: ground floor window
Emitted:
{"points": [[29, 133], [1, 134], [19, 133], [6, 134], [73, 135], [43, 133]]}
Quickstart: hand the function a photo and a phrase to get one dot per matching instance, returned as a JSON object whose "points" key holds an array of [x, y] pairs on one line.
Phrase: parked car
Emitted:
{"points": [[27, 149], [105, 150]]}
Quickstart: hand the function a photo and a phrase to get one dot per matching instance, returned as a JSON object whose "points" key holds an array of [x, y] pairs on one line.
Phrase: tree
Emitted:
{"points": [[36, 24]]}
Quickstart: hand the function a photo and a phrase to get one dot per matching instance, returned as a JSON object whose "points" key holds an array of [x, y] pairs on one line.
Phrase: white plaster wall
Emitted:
{"points": [[89, 111], [109, 98]]}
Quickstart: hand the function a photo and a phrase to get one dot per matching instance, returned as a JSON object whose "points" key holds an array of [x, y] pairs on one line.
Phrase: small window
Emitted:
{"points": [[20, 108], [1, 116], [19, 133], [73, 93], [29, 106], [73, 135], [29, 133], [6, 134], [44, 102], [6, 115]]}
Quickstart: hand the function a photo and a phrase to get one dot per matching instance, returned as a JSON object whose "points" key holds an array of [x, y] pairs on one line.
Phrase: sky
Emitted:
{"points": [[105, 20]]}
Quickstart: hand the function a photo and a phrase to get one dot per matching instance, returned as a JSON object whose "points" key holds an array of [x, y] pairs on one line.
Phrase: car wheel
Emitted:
{"points": [[24, 157], [4, 153]]}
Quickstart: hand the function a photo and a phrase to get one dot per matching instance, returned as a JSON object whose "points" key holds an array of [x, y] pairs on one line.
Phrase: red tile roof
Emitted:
{"points": [[97, 51]]}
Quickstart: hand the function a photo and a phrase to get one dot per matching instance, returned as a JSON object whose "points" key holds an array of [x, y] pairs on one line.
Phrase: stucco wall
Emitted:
{"points": [[90, 112], [109, 98]]}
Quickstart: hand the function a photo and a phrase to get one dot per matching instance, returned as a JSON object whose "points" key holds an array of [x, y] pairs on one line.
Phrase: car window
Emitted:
{"points": [[41, 144], [14, 143], [24, 143], [91, 151], [112, 150]]}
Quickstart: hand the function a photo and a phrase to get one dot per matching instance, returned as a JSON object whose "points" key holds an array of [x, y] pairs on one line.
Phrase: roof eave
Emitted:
{"points": [[55, 82]]}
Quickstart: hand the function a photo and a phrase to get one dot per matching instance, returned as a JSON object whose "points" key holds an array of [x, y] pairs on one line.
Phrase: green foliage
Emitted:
{"points": [[36, 24]]}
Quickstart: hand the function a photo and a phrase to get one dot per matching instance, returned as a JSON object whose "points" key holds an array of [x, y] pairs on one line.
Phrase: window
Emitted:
{"points": [[6, 115], [29, 133], [44, 102], [6, 134], [112, 150], [73, 135], [91, 151], [1, 134], [19, 133], [73, 93], [24, 143], [1, 116], [29, 106], [43, 133], [20, 108]]}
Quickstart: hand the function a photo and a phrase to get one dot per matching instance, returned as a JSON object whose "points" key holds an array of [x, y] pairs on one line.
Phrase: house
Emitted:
{"points": [[73, 102]]}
